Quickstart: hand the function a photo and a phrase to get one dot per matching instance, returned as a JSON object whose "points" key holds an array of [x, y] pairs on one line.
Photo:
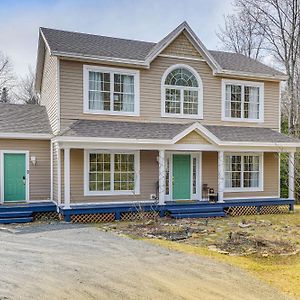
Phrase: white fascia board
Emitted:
{"points": [[261, 144], [111, 140], [260, 76], [27, 136], [95, 58]]}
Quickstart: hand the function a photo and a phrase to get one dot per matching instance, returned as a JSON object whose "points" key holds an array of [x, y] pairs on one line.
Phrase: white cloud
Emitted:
{"points": [[146, 20]]}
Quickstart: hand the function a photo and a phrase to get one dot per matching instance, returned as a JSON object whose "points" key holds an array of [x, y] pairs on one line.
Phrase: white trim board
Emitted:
{"points": [[27, 174], [25, 136]]}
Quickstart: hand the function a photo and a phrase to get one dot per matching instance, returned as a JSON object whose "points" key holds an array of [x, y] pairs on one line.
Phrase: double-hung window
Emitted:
{"points": [[243, 172], [111, 91], [111, 173], [243, 101]]}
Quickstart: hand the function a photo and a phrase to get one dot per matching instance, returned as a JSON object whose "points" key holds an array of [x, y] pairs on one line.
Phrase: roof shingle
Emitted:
{"points": [[167, 131], [102, 46], [27, 118]]}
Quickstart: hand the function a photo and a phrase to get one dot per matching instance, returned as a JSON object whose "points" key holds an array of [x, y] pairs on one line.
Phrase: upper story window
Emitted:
{"points": [[182, 93], [242, 101], [111, 91]]}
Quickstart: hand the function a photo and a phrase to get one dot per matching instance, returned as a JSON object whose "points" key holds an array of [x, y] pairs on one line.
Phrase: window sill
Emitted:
{"points": [[111, 113], [109, 193], [198, 117], [239, 120], [242, 190]]}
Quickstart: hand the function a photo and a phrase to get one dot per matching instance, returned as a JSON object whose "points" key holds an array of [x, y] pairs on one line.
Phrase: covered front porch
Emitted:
{"points": [[194, 167]]}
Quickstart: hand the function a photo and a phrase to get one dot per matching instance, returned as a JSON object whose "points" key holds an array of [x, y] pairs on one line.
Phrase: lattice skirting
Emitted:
{"points": [[241, 210], [275, 209], [93, 218], [253, 210], [43, 216], [136, 216]]}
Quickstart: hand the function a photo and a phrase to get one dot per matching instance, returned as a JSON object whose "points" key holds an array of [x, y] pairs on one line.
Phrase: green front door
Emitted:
{"points": [[14, 177], [181, 177]]}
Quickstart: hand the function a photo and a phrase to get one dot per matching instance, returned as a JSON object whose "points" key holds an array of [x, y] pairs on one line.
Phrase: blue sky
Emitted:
{"points": [[148, 20]]}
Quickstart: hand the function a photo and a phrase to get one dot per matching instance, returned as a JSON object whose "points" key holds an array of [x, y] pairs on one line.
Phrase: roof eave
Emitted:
{"points": [[95, 58], [251, 75], [25, 136]]}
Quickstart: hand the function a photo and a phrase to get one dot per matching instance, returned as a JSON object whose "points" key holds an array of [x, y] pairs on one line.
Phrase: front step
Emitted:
{"points": [[197, 209], [16, 220], [198, 215], [15, 214]]}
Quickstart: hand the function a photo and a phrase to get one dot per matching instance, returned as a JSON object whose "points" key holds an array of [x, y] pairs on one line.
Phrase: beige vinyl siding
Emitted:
{"points": [[181, 46], [39, 175], [271, 173], [49, 90], [193, 138], [148, 179], [71, 97]]}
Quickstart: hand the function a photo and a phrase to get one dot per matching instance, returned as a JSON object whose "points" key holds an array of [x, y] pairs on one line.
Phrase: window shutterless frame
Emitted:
{"points": [[260, 187], [243, 83], [136, 190], [112, 72]]}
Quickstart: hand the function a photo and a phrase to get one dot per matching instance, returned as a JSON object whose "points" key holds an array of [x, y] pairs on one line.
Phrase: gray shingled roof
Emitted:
{"points": [[167, 131], [130, 130], [29, 118], [101, 46], [96, 45], [249, 134], [241, 63]]}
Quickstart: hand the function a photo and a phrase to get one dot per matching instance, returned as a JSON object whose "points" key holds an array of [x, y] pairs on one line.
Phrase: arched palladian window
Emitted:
{"points": [[182, 92]]}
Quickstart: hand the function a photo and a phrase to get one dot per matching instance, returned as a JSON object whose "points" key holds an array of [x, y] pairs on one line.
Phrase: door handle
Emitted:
{"points": [[24, 179]]}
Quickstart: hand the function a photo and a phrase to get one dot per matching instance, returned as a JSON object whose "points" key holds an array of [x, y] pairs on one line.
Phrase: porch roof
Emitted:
{"points": [[169, 131]]}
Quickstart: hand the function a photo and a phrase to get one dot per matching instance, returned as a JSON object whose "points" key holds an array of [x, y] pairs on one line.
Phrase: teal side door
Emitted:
{"points": [[181, 177], [14, 177]]}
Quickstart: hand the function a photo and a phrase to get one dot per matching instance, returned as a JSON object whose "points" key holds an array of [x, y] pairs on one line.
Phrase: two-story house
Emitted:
{"points": [[140, 122]]}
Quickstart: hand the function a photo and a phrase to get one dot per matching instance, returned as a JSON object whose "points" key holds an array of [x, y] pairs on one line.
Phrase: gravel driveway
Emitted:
{"points": [[62, 261]]}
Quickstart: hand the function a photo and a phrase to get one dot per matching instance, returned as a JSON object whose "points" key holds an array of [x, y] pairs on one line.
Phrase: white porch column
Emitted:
{"points": [[67, 177], [161, 176], [58, 153], [221, 176], [291, 175]]}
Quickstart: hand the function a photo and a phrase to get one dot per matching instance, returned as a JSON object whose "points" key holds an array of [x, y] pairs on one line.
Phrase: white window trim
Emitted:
{"points": [[112, 71], [260, 188], [199, 115], [136, 191], [260, 85]]}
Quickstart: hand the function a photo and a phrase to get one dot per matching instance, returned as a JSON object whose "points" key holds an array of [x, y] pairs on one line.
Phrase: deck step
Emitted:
{"points": [[196, 209], [15, 214], [16, 220], [198, 215], [28, 207]]}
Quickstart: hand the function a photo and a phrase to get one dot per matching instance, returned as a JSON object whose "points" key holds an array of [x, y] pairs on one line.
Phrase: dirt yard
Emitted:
{"points": [[266, 245], [62, 261]]}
